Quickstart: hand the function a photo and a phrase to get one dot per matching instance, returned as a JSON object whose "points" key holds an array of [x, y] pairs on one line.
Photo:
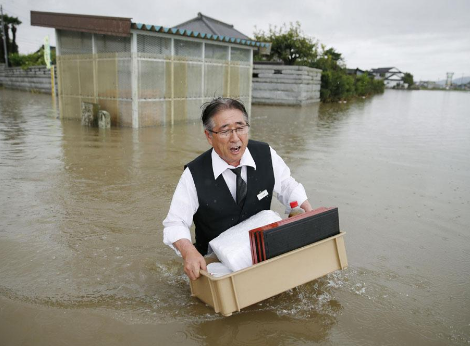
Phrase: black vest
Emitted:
{"points": [[217, 210]]}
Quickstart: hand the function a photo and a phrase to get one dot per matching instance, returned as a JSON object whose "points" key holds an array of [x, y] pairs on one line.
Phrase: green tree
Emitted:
{"points": [[288, 44], [366, 85], [378, 86], [9, 23], [292, 47], [408, 79], [335, 86], [329, 59], [33, 59], [363, 85]]}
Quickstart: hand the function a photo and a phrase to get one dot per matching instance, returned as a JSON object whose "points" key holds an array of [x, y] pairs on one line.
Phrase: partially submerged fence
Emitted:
{"points": [[148, 78]]}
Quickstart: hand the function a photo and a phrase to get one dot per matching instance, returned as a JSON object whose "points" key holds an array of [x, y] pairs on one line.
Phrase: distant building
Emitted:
{"points": [[391, 75], [429, 84], [355, 71]]}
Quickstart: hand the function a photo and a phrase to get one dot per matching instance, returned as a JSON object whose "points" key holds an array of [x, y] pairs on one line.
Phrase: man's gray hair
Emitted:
{"points": [[211, 108]]}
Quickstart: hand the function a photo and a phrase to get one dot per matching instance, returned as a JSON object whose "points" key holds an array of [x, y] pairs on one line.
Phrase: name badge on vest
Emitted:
{"points": [[261, 195]]}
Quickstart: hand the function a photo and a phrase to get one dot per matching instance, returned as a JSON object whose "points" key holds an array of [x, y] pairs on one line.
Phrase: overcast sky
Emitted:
{"points": [[426, 38]]}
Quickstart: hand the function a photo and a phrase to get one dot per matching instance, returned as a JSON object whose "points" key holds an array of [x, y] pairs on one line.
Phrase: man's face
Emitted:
{"points": [[231, 148]]}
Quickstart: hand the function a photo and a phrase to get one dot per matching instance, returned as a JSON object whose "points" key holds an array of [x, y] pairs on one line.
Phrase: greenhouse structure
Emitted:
{"points": [[145, 75]]}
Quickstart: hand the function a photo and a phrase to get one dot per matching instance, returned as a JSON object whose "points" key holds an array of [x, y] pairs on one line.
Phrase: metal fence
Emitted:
{"points": [[148, 79]]}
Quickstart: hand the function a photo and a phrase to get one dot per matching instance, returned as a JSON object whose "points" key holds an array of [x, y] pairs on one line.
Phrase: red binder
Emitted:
{"points": [[288, 234]]}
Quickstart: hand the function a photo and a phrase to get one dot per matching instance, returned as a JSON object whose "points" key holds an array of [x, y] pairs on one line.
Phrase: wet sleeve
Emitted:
{"points": [[286, 187], [180, 216]]}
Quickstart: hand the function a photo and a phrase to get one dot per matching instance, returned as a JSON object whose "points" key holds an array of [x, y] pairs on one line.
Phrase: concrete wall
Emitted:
{"points": [[35, 79], [285, 85]]}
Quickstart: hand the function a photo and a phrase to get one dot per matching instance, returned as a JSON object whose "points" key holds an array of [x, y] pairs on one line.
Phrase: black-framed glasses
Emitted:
{"points": [[241, 130]]}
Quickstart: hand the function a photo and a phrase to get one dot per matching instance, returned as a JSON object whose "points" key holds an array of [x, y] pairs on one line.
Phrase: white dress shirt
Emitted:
{"points": [[185, 202]]}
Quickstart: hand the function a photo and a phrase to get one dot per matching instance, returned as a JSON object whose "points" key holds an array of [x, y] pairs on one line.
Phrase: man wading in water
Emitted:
{"points": [[225, 185]]}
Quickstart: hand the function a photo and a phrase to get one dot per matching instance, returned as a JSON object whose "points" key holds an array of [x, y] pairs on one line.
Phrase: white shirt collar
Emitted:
{"points": [[219, 166]]}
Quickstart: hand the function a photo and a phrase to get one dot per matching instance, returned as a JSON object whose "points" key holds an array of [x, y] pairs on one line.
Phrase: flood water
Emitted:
{"points": [[81, 254]]}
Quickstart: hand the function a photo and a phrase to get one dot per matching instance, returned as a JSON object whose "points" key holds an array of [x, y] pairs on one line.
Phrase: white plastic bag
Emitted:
{"points": [[232, 247], [217, 269]]}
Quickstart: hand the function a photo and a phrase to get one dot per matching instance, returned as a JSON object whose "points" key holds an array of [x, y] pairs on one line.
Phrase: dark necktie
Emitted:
{"points": [[241, 187]]}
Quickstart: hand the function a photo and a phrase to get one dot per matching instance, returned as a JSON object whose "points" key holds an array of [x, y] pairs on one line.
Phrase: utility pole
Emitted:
{"points": [[4, 36]]}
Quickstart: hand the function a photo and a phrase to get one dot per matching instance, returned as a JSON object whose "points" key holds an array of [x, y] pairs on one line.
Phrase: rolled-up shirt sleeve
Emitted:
{"points": [[286, 187], [180, 216]]}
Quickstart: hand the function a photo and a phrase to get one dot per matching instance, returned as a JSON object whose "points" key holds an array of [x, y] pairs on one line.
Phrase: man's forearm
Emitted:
{"points": [[184, 246], [180, 216], [193, 260], [306, 205]]}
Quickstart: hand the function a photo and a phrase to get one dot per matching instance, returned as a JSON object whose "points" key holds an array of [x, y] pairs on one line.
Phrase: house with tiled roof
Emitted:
{"points": [[355, 71], [145, 74], [391, 75]]}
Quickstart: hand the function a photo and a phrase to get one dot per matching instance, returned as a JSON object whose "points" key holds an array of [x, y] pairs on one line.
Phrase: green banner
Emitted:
{"points": [[47, 52]]}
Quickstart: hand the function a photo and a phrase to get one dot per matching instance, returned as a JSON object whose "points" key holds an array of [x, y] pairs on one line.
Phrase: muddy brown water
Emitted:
{"points": [[81, 254]]}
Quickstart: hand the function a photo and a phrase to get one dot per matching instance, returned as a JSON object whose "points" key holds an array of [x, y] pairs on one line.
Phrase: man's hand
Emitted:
{"points": [[306, 206], [193, 260]]}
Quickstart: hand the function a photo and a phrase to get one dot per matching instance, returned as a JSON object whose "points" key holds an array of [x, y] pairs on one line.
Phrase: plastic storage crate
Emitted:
{"points": [[251, 285]]}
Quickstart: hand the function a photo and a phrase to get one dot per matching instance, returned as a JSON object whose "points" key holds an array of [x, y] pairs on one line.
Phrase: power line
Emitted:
{"points": [[12, 4], [30, 43], [23, 19], [29, 46], [18, 16], [16, 8], [22, 40], [30, 39], [10, 12]]}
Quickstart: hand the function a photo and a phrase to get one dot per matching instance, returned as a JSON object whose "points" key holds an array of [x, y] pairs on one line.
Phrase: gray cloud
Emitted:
{"points": [[426, 38]]}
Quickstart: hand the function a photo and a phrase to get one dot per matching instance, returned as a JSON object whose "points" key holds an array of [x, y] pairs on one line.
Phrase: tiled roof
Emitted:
{"points": [[197, 34], [121, 27], [212, 26], [381, 69]]}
